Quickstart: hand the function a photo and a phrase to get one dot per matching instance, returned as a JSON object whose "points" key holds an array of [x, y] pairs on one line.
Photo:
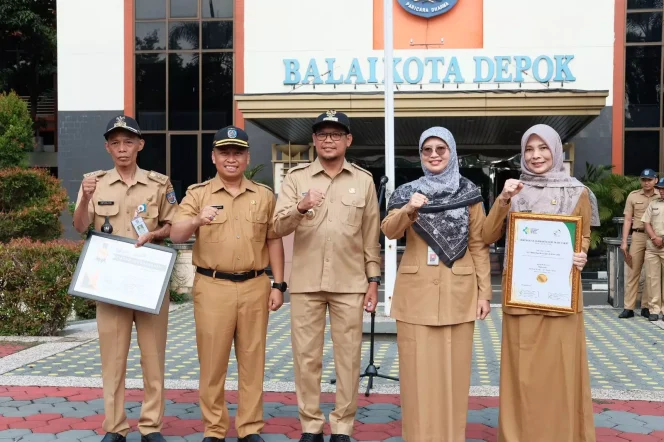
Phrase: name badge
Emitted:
{"points": [[106, 203], [432, 258], [139, 226]]}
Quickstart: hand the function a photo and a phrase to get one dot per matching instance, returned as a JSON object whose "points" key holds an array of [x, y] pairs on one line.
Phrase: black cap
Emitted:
{"points": [[124, 123], [660, 184], [334, 117], [231, 136], [648, 173]]}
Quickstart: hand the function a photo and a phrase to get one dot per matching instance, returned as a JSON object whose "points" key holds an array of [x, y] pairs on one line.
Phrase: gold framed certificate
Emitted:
{"points": [[540, 270], [113, 270]]}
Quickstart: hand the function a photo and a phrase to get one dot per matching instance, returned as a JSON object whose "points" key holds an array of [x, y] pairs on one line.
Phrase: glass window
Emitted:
{"points": [[209, 169], [150, 36], [217, 8], [217, 88], [641, 151], [153, 155], [184, 163], [150, 9], [644, 27], [644, 4], [184, 8], [150, 91], [642, 86], [183, 84], [183, 35], [217, 35]]}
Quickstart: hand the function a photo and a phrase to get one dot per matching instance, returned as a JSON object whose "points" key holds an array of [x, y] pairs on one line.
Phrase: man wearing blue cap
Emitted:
{"points": [[635, 206], [653, 220]]}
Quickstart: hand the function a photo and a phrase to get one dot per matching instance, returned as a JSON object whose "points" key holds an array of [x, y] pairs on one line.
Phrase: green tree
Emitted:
{"points": [[15, 131], [28, 28]]}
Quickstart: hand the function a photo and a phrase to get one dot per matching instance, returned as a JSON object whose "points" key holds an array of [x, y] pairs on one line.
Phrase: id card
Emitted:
{"points": [[432, 258], [139, 226]]}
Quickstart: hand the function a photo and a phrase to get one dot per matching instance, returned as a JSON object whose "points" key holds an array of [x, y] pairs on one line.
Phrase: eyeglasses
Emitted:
{"points": [[336, 136], [440, 151]]}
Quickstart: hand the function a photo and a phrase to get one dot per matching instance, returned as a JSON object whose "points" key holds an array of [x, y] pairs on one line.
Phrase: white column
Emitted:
{"points": [[390, 245]]}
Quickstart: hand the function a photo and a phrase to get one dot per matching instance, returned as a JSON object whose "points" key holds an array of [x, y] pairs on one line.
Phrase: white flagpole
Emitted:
{"points": [[390, 245]]}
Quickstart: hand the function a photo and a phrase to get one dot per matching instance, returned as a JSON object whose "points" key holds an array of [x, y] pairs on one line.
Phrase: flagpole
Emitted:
{"points": [[390, 245]]}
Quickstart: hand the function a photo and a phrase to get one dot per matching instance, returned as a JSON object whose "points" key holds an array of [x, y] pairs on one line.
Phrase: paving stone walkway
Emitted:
{"points": [[36, 414]]}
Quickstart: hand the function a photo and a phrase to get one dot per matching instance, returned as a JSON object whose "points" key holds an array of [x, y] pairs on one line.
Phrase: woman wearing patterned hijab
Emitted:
{"points": [[443, 285], [544, 376]]}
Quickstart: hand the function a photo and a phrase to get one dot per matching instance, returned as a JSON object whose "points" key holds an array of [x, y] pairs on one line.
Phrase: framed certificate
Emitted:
{"points": [[112, 269], [540, 271]]}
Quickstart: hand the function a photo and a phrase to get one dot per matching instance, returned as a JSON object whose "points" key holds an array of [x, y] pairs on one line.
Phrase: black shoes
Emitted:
{"points": [[213, 439], [626, 314], [653, 317], [309, 437], [114, 437], [153, 437], [339, 438], [251, 438], [645, 312]]}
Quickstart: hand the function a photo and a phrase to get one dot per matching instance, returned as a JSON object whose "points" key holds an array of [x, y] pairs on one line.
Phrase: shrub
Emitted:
{"points": [[16, 132], [34, 279], [85, 308], [31, 202]]}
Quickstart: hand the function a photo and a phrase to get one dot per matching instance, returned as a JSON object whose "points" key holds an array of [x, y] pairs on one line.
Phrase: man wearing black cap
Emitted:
{"points": [[130, 202], [653, 220], [235, 241], [331, 206], [635, 206]]}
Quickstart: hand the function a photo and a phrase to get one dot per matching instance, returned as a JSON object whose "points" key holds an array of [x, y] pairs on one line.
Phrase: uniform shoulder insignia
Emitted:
{"points": [[95, 173], [197, 185], [363, 170], [158, 177], [262, 185], [298, 167]]}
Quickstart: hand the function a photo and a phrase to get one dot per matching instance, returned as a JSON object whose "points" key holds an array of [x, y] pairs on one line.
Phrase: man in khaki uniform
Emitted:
{"points": [[235, 241], [635, 206], [654, 223], [111, 199], [331, 206]]}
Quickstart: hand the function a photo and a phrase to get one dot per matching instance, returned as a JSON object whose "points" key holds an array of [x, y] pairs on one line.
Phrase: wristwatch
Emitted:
{"points": [[375, 279], [282, 286]]}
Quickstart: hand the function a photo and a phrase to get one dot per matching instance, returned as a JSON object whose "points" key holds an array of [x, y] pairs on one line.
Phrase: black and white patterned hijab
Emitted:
{"points": [[443, 222]]}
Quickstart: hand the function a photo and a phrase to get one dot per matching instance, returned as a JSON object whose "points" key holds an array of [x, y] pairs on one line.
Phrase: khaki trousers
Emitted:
{"points": [[638, 250], [115, 325], [227, 312], [308, 331], [654, 264]]}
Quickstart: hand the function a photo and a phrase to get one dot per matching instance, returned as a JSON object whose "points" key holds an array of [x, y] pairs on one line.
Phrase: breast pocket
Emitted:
{"points": [[352, 209], [101, 212], [463, 279], [258, 224], [150, 217], [215, 231]]}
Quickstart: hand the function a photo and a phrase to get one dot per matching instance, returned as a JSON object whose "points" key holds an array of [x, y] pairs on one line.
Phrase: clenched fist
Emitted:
{"points": [[416, 202], [89, 186], [511, 188], [206, 216], [313, 198]]}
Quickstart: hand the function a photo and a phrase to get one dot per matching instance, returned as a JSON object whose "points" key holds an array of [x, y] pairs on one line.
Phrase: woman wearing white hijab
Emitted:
{"points": [[544, 376], [443, 285]]}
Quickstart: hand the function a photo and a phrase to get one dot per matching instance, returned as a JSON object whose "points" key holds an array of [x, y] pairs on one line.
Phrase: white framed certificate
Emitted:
{"points": [[113, 270], [540, 270]]}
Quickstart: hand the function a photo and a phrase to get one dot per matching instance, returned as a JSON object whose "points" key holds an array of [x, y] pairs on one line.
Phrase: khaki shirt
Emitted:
{"points": [[654, 215], [494, 229], [236, 240], [337, 248], [636, 205], [436, 294], [117, 201]]}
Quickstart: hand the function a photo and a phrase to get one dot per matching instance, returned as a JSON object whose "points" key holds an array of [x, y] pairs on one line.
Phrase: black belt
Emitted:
{"points": [[639, 230], [235, 277]]}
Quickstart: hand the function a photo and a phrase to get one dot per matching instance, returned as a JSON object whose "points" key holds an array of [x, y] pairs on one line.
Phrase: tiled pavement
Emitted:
{"points": [[8, 349], [623, 354], [35, 414]]}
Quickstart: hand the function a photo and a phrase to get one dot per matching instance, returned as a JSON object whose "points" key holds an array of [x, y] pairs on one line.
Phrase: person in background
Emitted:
{"points": [[443, 285], [653, 220], [635, 207], [544, 376]]}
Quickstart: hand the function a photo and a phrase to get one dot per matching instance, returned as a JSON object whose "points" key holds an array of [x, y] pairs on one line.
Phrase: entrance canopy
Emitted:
{"points": [[483, 118]]}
